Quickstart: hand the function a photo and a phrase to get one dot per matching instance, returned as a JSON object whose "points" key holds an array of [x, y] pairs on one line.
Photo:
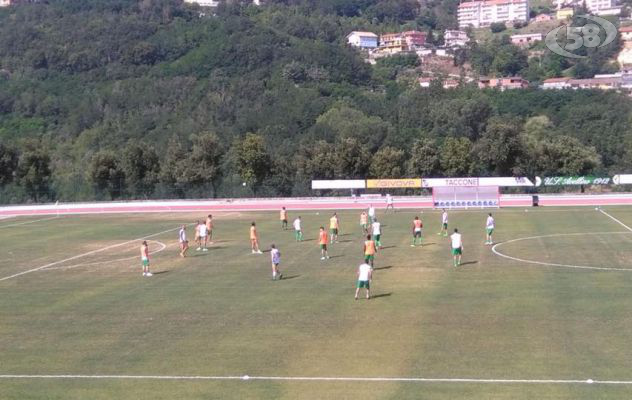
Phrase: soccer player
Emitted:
{"points": [[334, 225], [376, 229], [364, 222], [389, 202], [197, 236], [457, 247], [364, 280], [184, 243], [203, 237], [417, 225], [322, 241], [298, 231], [144, 257], [254, 239], [489, 228], [275, 257], [371, 213], [209, 228], [444, 223], [369, 250], [283, 218]]}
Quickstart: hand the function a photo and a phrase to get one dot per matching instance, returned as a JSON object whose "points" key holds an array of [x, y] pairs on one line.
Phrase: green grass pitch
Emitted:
{"points": [[219, 313]]}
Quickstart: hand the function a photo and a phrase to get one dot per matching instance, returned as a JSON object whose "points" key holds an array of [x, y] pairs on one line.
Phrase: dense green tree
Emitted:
{"points": [[500, 147], [351, 159], [8, 163], [496, 27], [315, 161], [456, 157], [424, 159], [564, 155], [342, 121], [204, 164], [387, 162], [106, 175], [34, 171], [253, 161], [173, 168], [141, 168]]}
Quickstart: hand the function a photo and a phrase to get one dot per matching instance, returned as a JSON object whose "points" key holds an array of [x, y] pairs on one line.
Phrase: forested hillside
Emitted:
{"points": [[134, 99]]}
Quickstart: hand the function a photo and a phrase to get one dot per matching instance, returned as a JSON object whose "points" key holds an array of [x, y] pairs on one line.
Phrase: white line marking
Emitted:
{"points": [[498, 253], [615, 220], [27, 222], [163, 246], [86, 254], [324, 379]]}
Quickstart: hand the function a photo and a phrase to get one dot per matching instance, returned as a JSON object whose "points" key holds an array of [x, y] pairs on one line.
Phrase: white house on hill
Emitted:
{"points": [[364, 40]]}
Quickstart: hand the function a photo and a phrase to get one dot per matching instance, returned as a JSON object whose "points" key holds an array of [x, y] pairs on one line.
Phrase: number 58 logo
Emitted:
{"points": [[577, 37]]}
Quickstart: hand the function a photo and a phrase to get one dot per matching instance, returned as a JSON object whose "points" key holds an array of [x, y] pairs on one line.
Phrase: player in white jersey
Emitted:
{"points": [[389, 202], [489, 229], [184, 243], [203, 237], [444, 223], [298, 230], [376, 230], [457, 247], [364, 280], [371, 213], [275, 258]]}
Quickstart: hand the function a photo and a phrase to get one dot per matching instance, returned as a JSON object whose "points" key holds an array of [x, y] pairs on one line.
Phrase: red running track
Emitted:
{"points": [[294, 204]]}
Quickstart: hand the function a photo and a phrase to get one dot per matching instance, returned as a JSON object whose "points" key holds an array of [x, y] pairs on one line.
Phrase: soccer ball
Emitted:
{"points": [[243, 184]]}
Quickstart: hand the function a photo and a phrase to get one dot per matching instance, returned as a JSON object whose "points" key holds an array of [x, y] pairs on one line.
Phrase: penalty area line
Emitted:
{"points": [[28, 222], [615, 220], [86, 254], [324, 379]]}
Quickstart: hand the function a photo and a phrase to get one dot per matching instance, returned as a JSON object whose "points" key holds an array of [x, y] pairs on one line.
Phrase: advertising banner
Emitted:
{"points": [[393, 183], [624, 179], [472, 182], [339, 184], [576, 180]]}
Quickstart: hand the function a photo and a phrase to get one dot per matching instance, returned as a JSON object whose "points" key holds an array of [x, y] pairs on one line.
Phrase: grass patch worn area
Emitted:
{"points": [[218, 313]]}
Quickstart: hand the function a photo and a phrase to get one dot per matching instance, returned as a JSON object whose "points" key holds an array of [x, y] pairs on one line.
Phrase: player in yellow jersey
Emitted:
{"points": [[364, 222], [369, 250], [254, 239], [322, 241], [283, 218], [334, 226]]}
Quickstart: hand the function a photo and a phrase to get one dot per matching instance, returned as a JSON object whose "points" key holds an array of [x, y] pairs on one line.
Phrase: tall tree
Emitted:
{"points": [[141, 168], [500, 147], [456, 157], [105, 173], [8, 163], [351, 160], [34, 171], [387, 162], [205, 159], [253, 160], [424, 159]]}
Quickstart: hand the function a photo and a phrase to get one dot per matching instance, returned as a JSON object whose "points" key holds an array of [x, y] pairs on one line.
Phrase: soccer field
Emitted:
{"points": [[545, 310]]}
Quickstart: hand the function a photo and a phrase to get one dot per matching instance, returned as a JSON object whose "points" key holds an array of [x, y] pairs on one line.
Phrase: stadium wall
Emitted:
{"points": [[307, 203]]}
